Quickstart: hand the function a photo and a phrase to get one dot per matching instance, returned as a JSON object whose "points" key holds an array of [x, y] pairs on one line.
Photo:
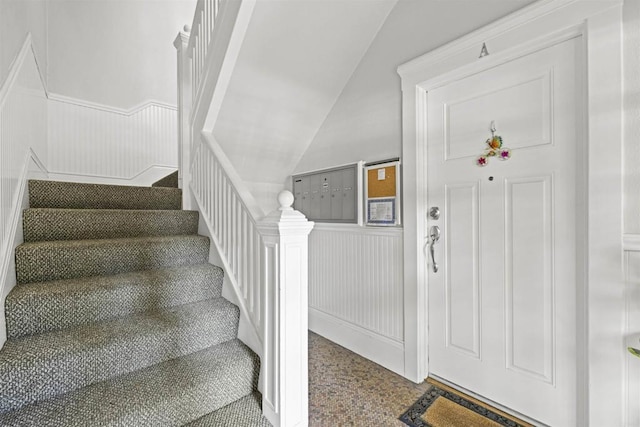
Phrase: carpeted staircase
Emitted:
{"points": [[118, 319]]}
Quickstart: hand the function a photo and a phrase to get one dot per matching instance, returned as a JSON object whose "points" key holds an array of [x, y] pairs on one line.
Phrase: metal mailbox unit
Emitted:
{"points": [[330, 195]]}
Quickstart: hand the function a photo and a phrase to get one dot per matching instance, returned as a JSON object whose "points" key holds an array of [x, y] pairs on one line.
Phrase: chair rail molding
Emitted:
{"points": [[631, 242], [23, 143]]}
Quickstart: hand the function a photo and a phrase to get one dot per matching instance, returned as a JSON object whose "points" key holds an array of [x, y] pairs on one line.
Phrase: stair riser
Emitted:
{"points": [[42, 262], [169, 394], [89, 359], [54, 194], [170, 181], [80, 224], [44, 307]]}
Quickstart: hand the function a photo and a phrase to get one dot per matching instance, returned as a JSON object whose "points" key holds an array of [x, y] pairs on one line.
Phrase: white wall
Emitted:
{"points": [[119, 52], [17, 18], [365, 122], [631, 16], [295, 59], [113, 85]]}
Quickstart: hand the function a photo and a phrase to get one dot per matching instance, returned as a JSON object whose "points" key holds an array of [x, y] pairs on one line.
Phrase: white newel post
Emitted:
{"points": [[184, 112], [285, 253]]}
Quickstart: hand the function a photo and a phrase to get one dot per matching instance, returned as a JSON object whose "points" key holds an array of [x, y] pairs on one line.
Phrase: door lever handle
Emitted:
{"points": [[434, 234]]}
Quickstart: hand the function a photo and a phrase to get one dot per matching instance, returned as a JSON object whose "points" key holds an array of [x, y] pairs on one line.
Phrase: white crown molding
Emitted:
{"points": [[631, 242], [96, 106]]}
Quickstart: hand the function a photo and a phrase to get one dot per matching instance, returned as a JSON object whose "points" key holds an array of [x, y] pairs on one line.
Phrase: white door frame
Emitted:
{"points": [[600, 304]]}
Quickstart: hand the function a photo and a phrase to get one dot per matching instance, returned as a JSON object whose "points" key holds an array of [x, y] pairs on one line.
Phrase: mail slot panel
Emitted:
{"points": [[314, 204], [349, 195], [306, 194], [325, 196], [335, 185], [329, 195], [297, 194]]}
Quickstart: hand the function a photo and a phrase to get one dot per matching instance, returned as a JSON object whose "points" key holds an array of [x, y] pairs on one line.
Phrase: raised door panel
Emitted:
{"points": [[529, 283], [462, 282]]}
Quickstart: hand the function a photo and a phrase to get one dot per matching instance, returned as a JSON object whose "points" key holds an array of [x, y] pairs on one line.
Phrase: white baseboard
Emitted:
{"points": [[381, 350], [145, 178]]}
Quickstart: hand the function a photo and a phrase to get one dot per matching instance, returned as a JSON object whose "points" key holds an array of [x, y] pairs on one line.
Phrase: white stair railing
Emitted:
{"points": [[233, 228], [264, 257]]}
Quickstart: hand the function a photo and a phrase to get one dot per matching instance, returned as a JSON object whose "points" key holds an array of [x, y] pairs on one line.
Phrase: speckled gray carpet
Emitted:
{"points": [[346, 389], [118, 319], [170, 180]]}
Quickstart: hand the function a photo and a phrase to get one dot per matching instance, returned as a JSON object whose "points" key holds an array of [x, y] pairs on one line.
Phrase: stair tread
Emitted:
{"points": [[44, 365], [104, 242], [60, 194], [47, 306], [67, 259], [50, 224], [171, 393], [244, 412]]}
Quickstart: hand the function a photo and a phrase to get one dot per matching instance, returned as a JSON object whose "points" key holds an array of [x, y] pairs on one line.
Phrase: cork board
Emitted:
{"points": [[381, 188]]}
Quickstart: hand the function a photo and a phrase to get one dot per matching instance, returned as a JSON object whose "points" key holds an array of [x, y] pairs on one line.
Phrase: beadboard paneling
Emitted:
{"points": [[632, 270], [355, 275], [101, 142]]}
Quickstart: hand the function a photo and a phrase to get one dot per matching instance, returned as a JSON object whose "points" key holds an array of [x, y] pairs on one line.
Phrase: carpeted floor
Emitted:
{"points": [[348, 390]]}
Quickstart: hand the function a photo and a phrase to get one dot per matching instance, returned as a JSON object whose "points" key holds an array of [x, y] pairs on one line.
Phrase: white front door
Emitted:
{"points": [[502, 306]]}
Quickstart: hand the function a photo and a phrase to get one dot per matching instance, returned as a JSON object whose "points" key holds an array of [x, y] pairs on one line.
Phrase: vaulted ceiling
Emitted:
{"points": [[295, 60]]}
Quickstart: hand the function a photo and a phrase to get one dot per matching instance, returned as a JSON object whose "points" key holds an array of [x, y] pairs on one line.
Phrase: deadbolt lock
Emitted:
{"points": [[434, 212]]}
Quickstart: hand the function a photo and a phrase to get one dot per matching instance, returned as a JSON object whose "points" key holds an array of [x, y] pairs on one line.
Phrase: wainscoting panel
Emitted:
{"points": [[94, 143], [356, 290], [632, 269]]}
